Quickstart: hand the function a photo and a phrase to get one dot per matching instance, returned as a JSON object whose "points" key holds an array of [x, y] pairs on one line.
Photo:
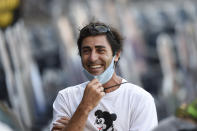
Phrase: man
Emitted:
{"points": [[107, 102]]}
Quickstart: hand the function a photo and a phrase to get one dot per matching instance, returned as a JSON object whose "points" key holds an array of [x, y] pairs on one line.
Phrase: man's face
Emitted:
{"points": [[96, 54]]}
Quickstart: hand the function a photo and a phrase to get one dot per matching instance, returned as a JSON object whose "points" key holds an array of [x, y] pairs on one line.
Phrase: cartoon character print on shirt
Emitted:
{"points": [[104, 120]]}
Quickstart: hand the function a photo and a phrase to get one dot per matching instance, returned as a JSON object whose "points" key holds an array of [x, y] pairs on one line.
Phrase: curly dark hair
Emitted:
{"points": [[98, 28]]}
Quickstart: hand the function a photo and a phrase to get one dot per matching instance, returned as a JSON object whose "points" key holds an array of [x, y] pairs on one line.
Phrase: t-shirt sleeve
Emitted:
{"points": [[144, 117], [60, 108]]}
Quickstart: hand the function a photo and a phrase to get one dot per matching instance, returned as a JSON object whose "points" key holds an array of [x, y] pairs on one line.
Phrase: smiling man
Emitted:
{"points": [[106, 102]]}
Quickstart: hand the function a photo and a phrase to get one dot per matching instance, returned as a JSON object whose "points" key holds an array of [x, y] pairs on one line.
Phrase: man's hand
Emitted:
{"points": [[92, 95], [60, 124]]}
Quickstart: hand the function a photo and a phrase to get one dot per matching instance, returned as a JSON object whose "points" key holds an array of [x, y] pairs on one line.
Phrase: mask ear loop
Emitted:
{"points": [[115, 64]]}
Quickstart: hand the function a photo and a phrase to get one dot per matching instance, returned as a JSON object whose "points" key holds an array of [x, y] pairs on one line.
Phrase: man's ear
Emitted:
{"points": [[117, 56]]}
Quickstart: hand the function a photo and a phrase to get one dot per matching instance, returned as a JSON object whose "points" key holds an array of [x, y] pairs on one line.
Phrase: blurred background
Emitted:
{"points": [[39, 56]]}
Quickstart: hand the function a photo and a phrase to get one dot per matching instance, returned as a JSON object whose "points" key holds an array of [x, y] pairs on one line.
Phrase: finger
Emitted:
{"points": [[94, 81], [102, 93], [98, 85], [56, 129], [58, 126], [101, 89], [63, 121], [65, 118]]}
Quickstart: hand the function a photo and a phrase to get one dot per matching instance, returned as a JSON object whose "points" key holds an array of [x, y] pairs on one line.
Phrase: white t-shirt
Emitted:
{"points": [[128, 108]]}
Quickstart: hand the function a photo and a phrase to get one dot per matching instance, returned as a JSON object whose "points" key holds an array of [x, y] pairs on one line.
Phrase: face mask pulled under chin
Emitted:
{"points": [[105, 76]]}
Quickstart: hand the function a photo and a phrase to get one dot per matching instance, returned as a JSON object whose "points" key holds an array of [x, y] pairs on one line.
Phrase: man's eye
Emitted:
{"points": [[85, 51], [101, 50]]}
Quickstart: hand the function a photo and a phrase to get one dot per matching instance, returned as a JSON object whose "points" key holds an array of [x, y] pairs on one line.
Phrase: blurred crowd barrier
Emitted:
{"points": [[39, 56]]}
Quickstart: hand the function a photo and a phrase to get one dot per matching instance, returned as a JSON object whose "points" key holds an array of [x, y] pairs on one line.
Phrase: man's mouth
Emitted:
{"points": [[95, 69], [95, 66]]}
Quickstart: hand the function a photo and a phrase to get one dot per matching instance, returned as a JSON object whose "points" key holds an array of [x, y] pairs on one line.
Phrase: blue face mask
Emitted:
{"points": [[105, 76]]}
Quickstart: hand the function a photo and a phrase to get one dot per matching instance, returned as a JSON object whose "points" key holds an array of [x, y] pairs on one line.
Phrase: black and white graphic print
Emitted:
{"points": [[104, 120]]}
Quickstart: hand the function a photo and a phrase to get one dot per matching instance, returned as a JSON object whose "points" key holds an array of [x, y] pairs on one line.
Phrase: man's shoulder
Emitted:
{"points": [[136, 90], [74, 88]]}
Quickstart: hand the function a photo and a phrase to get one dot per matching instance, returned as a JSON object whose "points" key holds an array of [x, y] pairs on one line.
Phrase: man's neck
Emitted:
{"points": [[115, 80]]}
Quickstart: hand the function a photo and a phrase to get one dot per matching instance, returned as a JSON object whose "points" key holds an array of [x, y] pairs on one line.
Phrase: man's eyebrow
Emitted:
{"points": [[85, 47], [100, 46], [97, 46]]}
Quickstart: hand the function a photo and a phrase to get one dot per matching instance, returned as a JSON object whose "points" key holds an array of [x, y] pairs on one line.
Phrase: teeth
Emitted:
{"points": [[96, 66]]}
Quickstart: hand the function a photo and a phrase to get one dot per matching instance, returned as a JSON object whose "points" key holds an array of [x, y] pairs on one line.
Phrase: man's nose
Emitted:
{"points": [[93, 56]]}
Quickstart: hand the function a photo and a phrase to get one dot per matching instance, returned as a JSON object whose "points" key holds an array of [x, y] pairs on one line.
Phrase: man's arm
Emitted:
{"points": [[92, 95]]}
